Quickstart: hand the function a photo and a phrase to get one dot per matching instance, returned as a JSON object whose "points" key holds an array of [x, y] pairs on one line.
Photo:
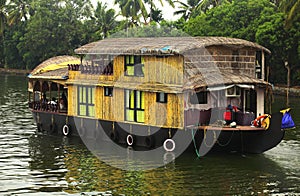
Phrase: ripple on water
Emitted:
{"points": [[33, 164], [287, 148]]}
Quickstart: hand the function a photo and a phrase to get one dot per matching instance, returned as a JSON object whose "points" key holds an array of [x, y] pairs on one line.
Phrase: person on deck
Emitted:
{"points": [[44, 101], [53, 104], [53, 101], [63, 102]]}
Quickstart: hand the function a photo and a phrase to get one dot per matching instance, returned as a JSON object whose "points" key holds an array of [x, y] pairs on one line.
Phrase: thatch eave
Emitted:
{"points": [[50, 66], [57, 74], [161, 45], [220, 78]]}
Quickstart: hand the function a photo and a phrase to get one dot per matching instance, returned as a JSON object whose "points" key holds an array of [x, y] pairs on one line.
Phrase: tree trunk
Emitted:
{"points": [[288, 81]]}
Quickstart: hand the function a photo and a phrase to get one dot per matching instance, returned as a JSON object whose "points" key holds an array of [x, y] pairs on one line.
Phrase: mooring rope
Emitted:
{"points": [[204, 139], [196, 150], [223, 145]]}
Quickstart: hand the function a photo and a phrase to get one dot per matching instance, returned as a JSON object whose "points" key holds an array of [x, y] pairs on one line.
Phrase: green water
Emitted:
{"points": [[32, 164]]}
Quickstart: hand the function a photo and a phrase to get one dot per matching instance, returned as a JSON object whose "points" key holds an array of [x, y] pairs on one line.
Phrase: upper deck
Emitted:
{"points": [[165, 63]]}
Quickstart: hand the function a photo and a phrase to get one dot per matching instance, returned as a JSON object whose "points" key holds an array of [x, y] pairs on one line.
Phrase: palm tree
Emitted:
{"points": [[152, 8], [133, 9], [105, 19], [187, 9], [292, 9], [194, 7], [171, 3], [3, 16]]}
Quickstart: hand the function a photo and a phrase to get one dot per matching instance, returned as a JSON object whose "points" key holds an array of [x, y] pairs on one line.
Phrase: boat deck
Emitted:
{"points": [[227, 128]]}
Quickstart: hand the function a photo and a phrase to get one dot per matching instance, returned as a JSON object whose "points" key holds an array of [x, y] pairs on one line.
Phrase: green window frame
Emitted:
{"points": [[86, 101], [134, 106], [134, 65]]}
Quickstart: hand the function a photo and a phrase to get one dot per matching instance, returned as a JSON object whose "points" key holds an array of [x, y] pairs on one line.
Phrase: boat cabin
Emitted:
{"points": [[47, 85], [169, 82]]}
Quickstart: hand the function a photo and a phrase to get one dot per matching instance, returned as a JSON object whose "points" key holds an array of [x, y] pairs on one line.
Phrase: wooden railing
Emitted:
{"points": [[73, 67], [91, 69], [204, 117], [47, 107], [197, 117]]}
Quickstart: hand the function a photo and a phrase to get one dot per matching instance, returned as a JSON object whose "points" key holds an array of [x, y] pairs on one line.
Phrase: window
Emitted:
{"points": [[199, 98], [251, 100], [108, 91], [134, 65], [134, 106], [161, 97], [258, 64], [234, 91], [86, 101]]}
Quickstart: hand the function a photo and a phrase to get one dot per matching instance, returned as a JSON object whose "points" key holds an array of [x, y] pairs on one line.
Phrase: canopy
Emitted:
{"points": [[218, 88], [54, 68], [55, 63]]}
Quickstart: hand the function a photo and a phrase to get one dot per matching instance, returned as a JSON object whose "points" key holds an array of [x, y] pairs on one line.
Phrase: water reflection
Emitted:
{"points": [[41, 164], [71, 168]]}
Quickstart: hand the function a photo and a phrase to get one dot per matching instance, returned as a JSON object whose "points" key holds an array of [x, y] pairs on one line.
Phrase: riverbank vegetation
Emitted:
{"points": [[34, 30]]}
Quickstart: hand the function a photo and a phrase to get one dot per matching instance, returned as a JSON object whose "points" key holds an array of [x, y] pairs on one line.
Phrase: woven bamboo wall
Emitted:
{"points": [[166, 70], [157, 70], [168, 114], [110, 108], [99, 102], [73, 74], [72, 100]]}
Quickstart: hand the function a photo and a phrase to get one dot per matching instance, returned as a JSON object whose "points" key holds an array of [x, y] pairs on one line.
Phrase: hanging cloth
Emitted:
{"points": [[287, 121]]}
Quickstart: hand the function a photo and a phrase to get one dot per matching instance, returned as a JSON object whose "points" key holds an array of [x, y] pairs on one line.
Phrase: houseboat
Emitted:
{"points": [[174, 93]]}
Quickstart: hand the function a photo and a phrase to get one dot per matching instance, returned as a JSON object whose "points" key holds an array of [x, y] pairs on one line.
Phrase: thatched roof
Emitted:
{"points": [[211, 78], [161, 45], [54, 68], [57, 74]]}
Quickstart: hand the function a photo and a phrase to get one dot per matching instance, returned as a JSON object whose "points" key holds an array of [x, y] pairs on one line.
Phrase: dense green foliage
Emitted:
{"points": [[34, 30]]}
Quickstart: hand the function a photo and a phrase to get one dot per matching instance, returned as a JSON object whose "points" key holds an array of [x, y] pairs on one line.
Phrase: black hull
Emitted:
{"points": [[148, 137], [244, 141]]}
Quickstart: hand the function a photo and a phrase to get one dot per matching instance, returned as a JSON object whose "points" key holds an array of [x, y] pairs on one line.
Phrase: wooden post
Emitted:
{"points": [[41, 93], [29, 97], [244, 100], [50, 92], [269, 94], [33, 94], [29, 100], [58, 102], [262, 65], [286, 64]]}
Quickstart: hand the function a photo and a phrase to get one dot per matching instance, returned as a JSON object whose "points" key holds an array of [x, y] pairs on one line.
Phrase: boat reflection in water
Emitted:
{"points": [[64, 164]]}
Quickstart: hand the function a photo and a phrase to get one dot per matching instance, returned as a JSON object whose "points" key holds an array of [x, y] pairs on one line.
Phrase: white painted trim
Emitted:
{"points": [[260, 102]]}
